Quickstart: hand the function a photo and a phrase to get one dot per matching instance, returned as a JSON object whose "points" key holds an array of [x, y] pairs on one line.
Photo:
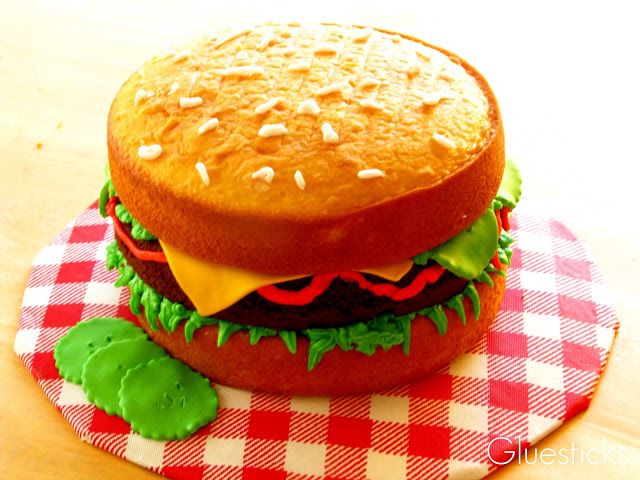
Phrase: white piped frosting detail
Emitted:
{"points": [[272, 130], [371, 104], [181, 56], [370, 173], [333, 88], [190, 102], [268, 105], [326, 48], [142, 95], [309, 107], [362, 35], [443, 141], [241, 71], [265, 173], [300, 66], [329, 135], [210, 124], [369, 82], [266, 41], [431, 99], [299, 179], [173, 88], [204, 175], [149, 152]]}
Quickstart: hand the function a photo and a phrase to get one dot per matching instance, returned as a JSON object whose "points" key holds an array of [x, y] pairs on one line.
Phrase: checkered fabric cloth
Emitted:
{"points": [[537, 366]]}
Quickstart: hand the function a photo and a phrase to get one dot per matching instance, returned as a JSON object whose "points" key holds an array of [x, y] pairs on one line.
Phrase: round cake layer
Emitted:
{"points": [[322, 135], [269, 366]]}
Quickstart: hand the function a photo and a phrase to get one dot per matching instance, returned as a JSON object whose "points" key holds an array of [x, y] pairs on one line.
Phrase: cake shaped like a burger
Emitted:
{"points": [[313, 209]]}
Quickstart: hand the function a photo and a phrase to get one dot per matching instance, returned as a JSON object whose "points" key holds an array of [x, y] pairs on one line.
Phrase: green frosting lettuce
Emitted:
{"points": [[510, 187], [467, 254], [383, 331], [138, 232]]}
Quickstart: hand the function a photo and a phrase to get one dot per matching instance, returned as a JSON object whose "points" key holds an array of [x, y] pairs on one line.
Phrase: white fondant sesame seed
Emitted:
{"points": [[242, 55], [174, 88], [369, 103], [241, 71], [300, 66], [204, 175], [326, 48], [181, 56], [142, 95], [443, 141], [272, 130], [231, 36], [329, 135], [299, 179], [149, 152], [370, 173], [431, 99], [309, 107], [369, 82], [266, 41], [190, 102], [333, 88], [362, 35], [290, 50], [265, 173], [208, 125], [268, 105]]}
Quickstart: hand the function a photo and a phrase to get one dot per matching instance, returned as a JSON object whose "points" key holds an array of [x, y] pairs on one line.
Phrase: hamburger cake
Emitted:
{"points": [[310, 209]]}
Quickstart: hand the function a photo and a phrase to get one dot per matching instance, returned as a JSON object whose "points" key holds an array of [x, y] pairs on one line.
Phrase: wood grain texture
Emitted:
{"points": [[568, 94]]}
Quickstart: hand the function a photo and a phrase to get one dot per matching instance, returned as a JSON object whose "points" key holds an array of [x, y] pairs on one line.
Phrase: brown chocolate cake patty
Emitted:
{"points": [[343, 303]]}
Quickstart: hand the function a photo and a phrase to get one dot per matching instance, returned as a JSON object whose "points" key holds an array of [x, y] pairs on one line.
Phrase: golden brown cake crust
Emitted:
{"points": [[340, 221], [269, 366]]}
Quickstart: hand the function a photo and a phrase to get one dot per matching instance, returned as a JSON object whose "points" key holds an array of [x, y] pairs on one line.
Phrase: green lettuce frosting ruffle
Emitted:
{"points": [[383, 331]]}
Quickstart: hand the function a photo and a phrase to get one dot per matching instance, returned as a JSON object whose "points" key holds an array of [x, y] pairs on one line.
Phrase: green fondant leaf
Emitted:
{"points": [[166, 400], [456, 303], [289, 339], [466, 254], [510, 188], [422, 258], [471, 292], [104, 198]]}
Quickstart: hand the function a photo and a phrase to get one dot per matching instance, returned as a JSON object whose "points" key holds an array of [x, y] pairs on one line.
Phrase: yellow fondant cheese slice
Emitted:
{"points": [[212, 287]]}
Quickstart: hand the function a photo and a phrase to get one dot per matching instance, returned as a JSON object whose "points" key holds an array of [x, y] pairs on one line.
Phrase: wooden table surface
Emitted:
{"points": [[567, 80]]}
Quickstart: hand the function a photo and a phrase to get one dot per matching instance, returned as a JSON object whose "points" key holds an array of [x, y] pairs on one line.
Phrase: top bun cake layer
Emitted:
{"points": [[306, 148]]}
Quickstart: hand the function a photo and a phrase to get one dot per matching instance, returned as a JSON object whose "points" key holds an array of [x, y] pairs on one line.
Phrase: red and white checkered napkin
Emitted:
{"points": [[536, 367]]}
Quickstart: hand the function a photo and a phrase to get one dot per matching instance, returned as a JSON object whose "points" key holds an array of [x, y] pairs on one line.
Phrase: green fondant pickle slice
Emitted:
{"points": [[82, 340], [104, 370], [166, 400]]}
